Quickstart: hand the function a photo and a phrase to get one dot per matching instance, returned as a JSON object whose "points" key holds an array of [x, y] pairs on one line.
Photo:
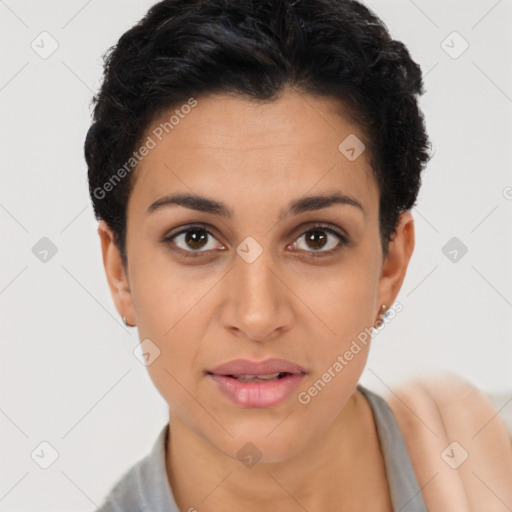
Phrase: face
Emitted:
{"points": [[258, 272]]}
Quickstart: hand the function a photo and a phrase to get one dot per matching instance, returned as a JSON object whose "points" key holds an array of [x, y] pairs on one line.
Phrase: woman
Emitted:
{"points": [[253, 166]]}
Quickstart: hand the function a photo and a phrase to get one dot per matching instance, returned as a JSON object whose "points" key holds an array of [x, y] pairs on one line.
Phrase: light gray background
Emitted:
{"points": [[68, 373]]}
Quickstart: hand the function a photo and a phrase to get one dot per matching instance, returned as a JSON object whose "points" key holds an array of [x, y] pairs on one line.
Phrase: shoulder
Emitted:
{"points": [[124, 495], [144, 486], [459, 445]]}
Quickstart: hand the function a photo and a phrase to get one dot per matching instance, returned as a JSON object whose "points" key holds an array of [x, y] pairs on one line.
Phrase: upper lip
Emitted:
{"points": [[247, 367]]}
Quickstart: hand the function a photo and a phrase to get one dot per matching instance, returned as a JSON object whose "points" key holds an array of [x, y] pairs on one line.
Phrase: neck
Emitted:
{"points": [[331, 474]]}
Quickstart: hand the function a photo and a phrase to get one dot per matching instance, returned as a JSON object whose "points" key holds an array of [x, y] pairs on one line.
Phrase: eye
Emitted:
{"points": [[317, 238], [193, 240], [193, 237]]}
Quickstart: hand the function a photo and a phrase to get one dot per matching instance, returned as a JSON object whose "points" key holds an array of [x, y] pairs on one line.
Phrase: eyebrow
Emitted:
{"points": [[295, 207]]}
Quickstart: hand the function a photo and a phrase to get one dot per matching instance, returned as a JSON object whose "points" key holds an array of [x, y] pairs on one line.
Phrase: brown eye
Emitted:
{"points": [[194, 239], [320, 239], [316, 238]]}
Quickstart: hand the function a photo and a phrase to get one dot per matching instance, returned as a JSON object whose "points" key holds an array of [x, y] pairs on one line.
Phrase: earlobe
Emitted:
{"points": [[116, 274], [394, 268]]}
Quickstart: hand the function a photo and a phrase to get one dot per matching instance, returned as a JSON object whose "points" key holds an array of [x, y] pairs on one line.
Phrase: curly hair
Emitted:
{"points": [[183, 49]]}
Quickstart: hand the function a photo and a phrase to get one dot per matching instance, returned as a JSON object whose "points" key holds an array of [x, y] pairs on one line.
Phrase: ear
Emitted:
{"points": [[116, 274], [397, 260]]}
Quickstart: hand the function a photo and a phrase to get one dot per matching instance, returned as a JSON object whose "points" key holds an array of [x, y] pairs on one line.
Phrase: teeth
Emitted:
{"points": [[248, 378]]}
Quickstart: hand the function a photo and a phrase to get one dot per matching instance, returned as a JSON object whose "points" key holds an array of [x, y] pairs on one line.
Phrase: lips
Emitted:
{"points": [[262, 369], [257, 384]]}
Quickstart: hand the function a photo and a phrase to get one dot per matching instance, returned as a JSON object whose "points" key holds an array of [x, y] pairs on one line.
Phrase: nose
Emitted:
{"points": [[258, 305]]}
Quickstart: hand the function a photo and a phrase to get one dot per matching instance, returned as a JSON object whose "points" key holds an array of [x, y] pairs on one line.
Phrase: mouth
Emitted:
{"points": [[256, 378], [269, 368], [257, 384]]}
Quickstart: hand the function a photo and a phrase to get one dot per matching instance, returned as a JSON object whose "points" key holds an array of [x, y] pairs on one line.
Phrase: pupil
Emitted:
{"points": [[193, 239], [315, 236]]}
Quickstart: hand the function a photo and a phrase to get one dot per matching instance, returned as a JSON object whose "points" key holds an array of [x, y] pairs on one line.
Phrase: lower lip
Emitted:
{"points": [[257, 394]]}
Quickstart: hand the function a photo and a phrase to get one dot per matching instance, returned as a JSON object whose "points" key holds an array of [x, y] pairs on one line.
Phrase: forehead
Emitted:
{"points": [[250, 148]]}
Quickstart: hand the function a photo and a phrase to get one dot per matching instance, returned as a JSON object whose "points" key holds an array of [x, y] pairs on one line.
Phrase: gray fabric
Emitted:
{"points": [[145, 487], [403, 485]]}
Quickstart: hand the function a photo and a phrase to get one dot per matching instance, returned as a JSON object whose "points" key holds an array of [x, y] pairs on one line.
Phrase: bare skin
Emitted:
{"points": [[206, 310]]}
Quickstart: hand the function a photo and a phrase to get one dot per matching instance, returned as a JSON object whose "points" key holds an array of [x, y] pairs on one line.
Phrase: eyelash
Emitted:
{"points": [[312, 254]]}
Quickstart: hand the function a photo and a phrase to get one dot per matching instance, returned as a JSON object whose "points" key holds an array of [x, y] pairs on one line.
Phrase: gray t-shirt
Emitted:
{"points": [[145, 486]]}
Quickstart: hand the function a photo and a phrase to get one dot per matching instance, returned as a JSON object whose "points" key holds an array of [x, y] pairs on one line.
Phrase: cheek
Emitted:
{"points": [[171, 315], [168, 312], [339, 302], [164, 295], [175, 331]]}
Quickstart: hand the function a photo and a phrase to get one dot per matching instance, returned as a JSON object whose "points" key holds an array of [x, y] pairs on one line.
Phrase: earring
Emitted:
{"points": [[381, 314], [126, 323]]}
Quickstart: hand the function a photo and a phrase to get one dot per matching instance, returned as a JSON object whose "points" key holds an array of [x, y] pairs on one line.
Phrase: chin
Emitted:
{"points": [[264, 445]]}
